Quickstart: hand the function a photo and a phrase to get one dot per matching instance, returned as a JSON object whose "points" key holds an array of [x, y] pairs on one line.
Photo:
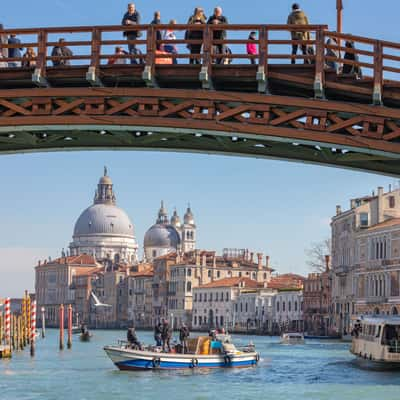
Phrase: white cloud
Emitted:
{"points": [[17, 271]]}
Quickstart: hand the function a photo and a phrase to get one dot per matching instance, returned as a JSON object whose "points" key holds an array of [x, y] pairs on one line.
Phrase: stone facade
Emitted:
{"points": [[364, 254]]}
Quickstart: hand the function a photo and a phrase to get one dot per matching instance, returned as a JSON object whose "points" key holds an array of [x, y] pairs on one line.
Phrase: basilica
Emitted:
{"points": [[105, 231]]}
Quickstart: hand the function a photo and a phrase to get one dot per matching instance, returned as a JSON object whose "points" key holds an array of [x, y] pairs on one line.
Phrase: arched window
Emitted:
{"points": [[290, 306], [283, 306], [209, 273], [295, 306], [246, 307], [189, 287], [241, 307], [277, 306], [189, 272]]}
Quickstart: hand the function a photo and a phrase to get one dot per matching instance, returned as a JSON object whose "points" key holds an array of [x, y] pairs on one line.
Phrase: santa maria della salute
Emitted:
{"points": [[105, 231]]}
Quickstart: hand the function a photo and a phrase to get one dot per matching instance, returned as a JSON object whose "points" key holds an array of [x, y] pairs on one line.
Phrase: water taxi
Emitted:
{"points": [[292, 338], [376, 341], [202, 352]]}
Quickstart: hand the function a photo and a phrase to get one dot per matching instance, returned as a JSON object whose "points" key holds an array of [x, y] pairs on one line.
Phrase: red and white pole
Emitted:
{"points": [[7, 331], [33, 327]]}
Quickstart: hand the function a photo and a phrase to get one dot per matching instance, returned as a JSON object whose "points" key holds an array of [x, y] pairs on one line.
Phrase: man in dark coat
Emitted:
{"points": [[133, 339], [298, 17], [157, 334], [183, 337], [166, 335], [15, 52], [132, 17], [157, 21], [61, 51], [215, 19]]}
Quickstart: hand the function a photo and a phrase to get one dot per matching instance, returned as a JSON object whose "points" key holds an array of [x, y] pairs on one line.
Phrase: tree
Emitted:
{"points": [[316, 255]]}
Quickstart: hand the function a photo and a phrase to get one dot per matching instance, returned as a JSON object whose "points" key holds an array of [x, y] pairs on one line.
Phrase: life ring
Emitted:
{"points": [[257, 357], [227, 360], [156, 362], [195, 363]]}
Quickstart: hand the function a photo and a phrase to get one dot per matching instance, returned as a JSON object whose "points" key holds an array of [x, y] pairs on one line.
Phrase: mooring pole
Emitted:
{"points": [[69, 342], [339, 10], [43, 311], [33, 327], [62, 327]]}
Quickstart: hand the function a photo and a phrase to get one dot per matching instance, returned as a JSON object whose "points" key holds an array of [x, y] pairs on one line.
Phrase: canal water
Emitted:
{"points": [[317, 370]]}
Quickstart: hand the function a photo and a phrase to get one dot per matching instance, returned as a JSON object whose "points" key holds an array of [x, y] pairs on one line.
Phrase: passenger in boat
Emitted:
{"points": [[298, 17], [132, 17], [183, 337], [157, 334], [61, 51], [215, 19], [351, 56], [133, 339], [166, 335]]}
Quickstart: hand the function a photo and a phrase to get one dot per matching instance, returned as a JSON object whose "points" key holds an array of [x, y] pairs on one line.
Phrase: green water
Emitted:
{"points": [[317, 370]]}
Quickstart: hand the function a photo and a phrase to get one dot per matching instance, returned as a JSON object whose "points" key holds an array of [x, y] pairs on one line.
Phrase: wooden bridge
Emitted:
{"points": [[274, 109]]}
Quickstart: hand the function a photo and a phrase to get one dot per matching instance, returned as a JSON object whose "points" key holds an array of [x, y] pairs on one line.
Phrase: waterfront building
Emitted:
{"points": [[170, 236], [365, 255], [193, 269], [317, 303], [105, 230], [214, 303], [53, 282]]}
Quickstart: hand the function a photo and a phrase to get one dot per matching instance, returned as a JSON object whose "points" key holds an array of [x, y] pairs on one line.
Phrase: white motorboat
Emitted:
{"points": [[292, 338]]}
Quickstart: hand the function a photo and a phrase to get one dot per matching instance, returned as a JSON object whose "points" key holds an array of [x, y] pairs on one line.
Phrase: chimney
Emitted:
{"points": [[251, 257], [39, 263], [267, 262], [352, 204], [214, 260], [327, 262], [380, 191], [197, 254], [204, 260], [338, 210], [390, 188], [260, 260]]}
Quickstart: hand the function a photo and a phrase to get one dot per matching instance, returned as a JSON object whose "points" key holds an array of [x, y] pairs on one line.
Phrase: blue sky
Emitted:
{"points": [[275, 207]]}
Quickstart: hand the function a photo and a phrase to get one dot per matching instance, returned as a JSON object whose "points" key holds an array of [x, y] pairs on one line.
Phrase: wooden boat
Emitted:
{"points": [[292, 338], [85, 336], [376, 342], [203, 352]]}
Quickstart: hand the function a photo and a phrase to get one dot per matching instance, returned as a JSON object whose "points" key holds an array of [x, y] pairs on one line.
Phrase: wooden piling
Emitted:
{"points": [[69, 342], [28, 317], [43, 311], [62, 327], [20, 332], [23, 313]]}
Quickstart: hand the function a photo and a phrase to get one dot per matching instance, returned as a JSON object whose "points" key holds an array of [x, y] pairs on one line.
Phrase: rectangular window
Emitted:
{"points": [[364, 220], [392, 202], [205, 296]]}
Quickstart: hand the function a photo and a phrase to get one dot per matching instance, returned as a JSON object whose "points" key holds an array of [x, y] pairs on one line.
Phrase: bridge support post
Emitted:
{"points": [[92, 77], [319, 79], [206, 69], [149, 69], [205, 79], [148, 76], [319, 92], [378, 74], [261, 77], [38, 79]]}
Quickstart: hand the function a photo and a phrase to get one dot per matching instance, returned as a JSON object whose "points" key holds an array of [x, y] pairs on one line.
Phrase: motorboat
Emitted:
{"points": [[292, 338], [201, 352], [85, 336], [376, 342]]}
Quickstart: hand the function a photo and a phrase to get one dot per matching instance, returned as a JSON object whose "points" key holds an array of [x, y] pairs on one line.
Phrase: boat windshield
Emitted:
{"points": [[391, 338]]}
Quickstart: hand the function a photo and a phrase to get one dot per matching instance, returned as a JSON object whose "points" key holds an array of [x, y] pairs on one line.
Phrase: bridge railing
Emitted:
{"points": [[377, 61]]}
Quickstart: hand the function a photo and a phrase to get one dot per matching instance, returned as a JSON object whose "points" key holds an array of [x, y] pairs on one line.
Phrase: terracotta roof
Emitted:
{"points": [[286, 281], [85, 271], [385, 224], [145, 273], [82, 259], [230, 282], [169, 256]]}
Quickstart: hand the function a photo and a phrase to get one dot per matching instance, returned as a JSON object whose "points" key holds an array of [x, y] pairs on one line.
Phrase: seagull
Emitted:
{"points": [[97, 302]]}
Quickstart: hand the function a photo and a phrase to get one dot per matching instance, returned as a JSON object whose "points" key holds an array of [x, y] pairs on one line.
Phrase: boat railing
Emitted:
{"points": [[394, 346]]}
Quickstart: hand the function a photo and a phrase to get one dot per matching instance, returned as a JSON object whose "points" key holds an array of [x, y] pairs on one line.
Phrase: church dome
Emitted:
{"points": [[165, 236], [104, 219], [188, 218]]}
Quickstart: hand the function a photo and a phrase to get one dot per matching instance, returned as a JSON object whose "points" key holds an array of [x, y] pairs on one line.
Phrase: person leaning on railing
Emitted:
{"points": [[61, 51], [348, 68], [298, 17], [29, 58], [218, 18], [14, 52], [195, 49], [132, 17], [169, 34]]}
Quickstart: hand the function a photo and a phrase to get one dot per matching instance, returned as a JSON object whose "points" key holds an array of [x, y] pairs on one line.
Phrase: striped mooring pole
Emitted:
{"points": [[33, 327], [69, 341], [62, 327], [7, 332]]}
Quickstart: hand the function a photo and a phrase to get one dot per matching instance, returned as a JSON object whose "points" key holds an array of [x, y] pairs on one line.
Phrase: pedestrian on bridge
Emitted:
{"points": [[351, 55], [157, 21], [3, 40], [218, 18], [132, 17], [251, 46], [14, 52], [169, 34], [61, 51], [298, 17], [29, 58]]}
